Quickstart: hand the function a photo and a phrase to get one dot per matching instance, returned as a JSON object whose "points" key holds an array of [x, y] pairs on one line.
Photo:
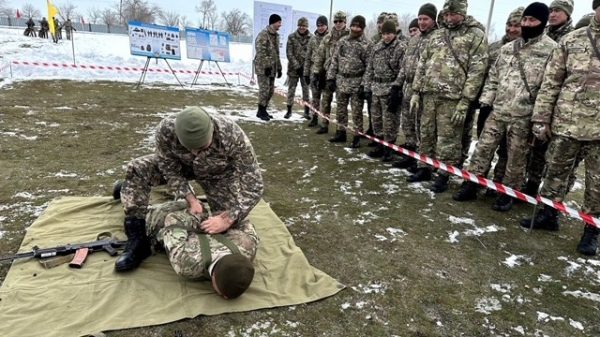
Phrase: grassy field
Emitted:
{"points": [[414, 264]]}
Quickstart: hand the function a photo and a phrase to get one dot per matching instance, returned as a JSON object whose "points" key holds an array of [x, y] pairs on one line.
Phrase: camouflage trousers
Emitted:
{"points": [[326, 100], [502, 151], [517, 133], [316, 96], [190, 251], [292, 84], [266, 88], [563, 156], [440, 139], [410, 121], [385, 123], [356, 106]]}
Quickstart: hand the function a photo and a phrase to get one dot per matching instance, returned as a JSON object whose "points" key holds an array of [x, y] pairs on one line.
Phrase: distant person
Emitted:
{"points": [[69, 28], [44, 27], [413, 28], [311, 52], [57, 30], [296, 49], [30, 30], [560, 22], [267, 64]]}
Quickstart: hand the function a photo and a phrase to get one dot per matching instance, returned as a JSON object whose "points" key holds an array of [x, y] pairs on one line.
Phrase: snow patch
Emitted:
{"points": [[488, 305]]}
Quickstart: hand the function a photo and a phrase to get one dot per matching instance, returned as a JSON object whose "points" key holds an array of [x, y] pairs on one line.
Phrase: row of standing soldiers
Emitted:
{"points": [[45, 28], [537, 92]]}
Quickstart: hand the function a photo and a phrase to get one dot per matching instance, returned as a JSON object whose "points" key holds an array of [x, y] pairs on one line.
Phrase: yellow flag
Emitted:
{"points": [[52, 12]]}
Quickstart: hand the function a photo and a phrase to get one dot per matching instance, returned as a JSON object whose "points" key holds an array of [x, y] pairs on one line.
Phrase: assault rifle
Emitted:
{"points": [[105, 242]]}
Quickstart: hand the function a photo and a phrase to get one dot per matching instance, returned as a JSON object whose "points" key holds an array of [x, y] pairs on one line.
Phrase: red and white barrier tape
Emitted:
{"points": [[115, 68]]}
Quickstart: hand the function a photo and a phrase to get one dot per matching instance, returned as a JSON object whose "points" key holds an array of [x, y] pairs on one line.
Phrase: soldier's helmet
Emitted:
{"points": [[339, 15]]}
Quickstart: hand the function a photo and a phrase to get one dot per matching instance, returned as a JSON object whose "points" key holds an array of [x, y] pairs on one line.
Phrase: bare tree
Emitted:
{"points": [[208, 13], [109, 17], [30, 11], [404, 21], [183, 22], [5, 10], [235, 22], [139, 10], [94, 15], [67, 11], [169, 18]]}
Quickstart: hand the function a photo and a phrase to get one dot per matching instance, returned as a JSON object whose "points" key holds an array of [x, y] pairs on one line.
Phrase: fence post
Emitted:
{"points": [[90, 25]]}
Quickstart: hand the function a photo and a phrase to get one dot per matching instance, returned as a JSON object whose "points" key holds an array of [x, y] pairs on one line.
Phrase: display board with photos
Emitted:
{"points": [[154, 40], [207, 45]]}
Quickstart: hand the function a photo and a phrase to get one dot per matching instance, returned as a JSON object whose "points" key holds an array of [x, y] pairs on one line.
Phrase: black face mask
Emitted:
{"points": [[531, 32]]}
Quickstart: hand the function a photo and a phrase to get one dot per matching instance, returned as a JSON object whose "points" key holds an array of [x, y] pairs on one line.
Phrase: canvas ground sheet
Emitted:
{"points": [[65, 302]]}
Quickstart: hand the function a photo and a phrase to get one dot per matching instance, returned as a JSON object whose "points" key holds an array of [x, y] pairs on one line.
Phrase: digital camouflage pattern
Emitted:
{"points": [[296, 50], [171, 227], [557, 33], [311, 50], [266, 63], [440, 139], [227, 171]]}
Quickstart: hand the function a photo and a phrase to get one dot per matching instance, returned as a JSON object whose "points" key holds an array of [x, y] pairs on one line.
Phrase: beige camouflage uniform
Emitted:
{"points": [[266, 63], [227, 171], [296, 50], [311, 51]]}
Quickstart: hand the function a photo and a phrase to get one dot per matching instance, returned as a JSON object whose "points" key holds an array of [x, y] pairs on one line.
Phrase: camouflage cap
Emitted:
{"points": [[303, 22], [564, 5], [585, 20], [233, 274], [388, 27], [515, 16], [456, 6], [194, 128], [339, 15], [382, 17]]}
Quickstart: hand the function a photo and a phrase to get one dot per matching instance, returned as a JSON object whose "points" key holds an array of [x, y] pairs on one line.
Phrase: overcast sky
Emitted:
{"points": [[368, 8]]}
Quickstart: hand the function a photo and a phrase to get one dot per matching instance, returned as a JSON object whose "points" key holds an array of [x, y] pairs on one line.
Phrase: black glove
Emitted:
{"points": [[330, 85], [395, 98], [268, 71], [279, 74], [361, 92]]}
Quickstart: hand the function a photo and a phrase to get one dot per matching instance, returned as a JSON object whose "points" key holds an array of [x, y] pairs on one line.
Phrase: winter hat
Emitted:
{"points": [[515, 16], [388, 27], [414, 24], [194, 128], [233, 275], [359, 21], [322, 20], [339, 15], [539, 11], [429, 10], [274, 18], [595, 4], [382, 17], [585, 20], [564, 5], [303, 22], [456, 6]]}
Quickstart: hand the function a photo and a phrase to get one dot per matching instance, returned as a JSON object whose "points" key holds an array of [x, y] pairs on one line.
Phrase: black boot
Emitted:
{"points": [[117, 189], [262, 113], [440, 184], [588, 245], [388, 154], [372, 143], [339, 137], [546, 219], [376, 152], [467, 191], [288, 114], [531, 188], [137, 247], [314, 121], [503, 203], [355, 142], [306, 112], [406, 162], [421, 174]]}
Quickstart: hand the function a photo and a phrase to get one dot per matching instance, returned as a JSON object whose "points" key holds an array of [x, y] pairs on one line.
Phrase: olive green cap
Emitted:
{"points": [[194, 128]]}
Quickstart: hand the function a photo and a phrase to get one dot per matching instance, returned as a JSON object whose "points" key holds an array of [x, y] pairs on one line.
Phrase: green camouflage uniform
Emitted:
{"points": [[382, 70], [296, 49], [321, 62], [227, 171], [446, 83], [569, 99], [506, 91], [266, 63], [348, 65], [311, 51], [558, 33]]}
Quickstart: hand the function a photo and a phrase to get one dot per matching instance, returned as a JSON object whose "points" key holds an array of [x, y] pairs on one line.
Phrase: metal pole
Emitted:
{"points": [[330, 12], [73, 44], [489, 21]]}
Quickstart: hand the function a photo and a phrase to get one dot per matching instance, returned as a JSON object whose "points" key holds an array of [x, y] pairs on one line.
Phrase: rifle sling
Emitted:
{"points": [[516, 54], [594, 42], [449, 43]]}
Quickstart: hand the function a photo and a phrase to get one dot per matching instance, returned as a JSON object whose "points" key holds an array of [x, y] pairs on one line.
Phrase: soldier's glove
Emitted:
{"points": [[330, 85], [279, 73], [415, 100], [542, 131], [395, 98], [460, 113], [485, 109], [268, 71]]}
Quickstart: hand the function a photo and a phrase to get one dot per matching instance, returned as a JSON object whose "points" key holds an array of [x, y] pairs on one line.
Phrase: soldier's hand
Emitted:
{"points": [[279, 74], [415, 100], [458, 117], [215, 224], [330, 85], [268, 71], [194, 206], [542, 131]]}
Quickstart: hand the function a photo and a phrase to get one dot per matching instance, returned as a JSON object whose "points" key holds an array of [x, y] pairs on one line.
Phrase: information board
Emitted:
{"points": [[154, 41], [207, 45], [262, 11], [312, 20]]}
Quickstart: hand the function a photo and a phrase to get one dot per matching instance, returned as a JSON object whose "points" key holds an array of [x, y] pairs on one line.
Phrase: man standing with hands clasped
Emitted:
{"points": [[267, 64]]}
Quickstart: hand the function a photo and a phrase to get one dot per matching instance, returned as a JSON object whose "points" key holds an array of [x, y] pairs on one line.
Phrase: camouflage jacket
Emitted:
{"points": [[440, 73], [558, 33], [296, 50], [383, 67], [322, 58], [313, 46], [570, 94], [376, 38], [229, 162], [494, 50], [505, 88], [349, 63], [267, 52], [410, 61]]}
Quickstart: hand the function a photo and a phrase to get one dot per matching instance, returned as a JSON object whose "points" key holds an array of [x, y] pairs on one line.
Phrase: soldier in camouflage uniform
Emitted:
{"points": [[585, 20], [321, 62], [225, 259], [346, 75], [413, 28], [267, 64], [313, 46], [296, 49], [193, 144], [401, 90], [511, 89], [382, 70], [448, 78], [380, 19], [566, 110]]}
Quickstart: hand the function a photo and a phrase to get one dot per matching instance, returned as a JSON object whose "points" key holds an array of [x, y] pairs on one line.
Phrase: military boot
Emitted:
{"points": [[376, 152], [314, 121], [262, 113], [306, 112], [588, 245], [467, 191], [503, 203], [117, 190], [339, 137], [137, 247], [288, 114], [441, 183], [406, 162], [388, 154], [323, 130], [421, 174], [531, 188], [355, 144], [546, 219]]}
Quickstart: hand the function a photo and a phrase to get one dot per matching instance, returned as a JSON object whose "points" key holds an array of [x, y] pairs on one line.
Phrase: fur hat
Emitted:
{"points": [[322, 20], [564, 5], [428, 9], [194, 128], [515, 16], [303, 22], [388, 27], [233, 275], [456, 6], [359, 21], [274, 18]]}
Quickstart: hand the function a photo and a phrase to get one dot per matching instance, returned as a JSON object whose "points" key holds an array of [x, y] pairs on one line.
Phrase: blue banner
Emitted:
{"points": [[154, 41], [207, 45]]}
